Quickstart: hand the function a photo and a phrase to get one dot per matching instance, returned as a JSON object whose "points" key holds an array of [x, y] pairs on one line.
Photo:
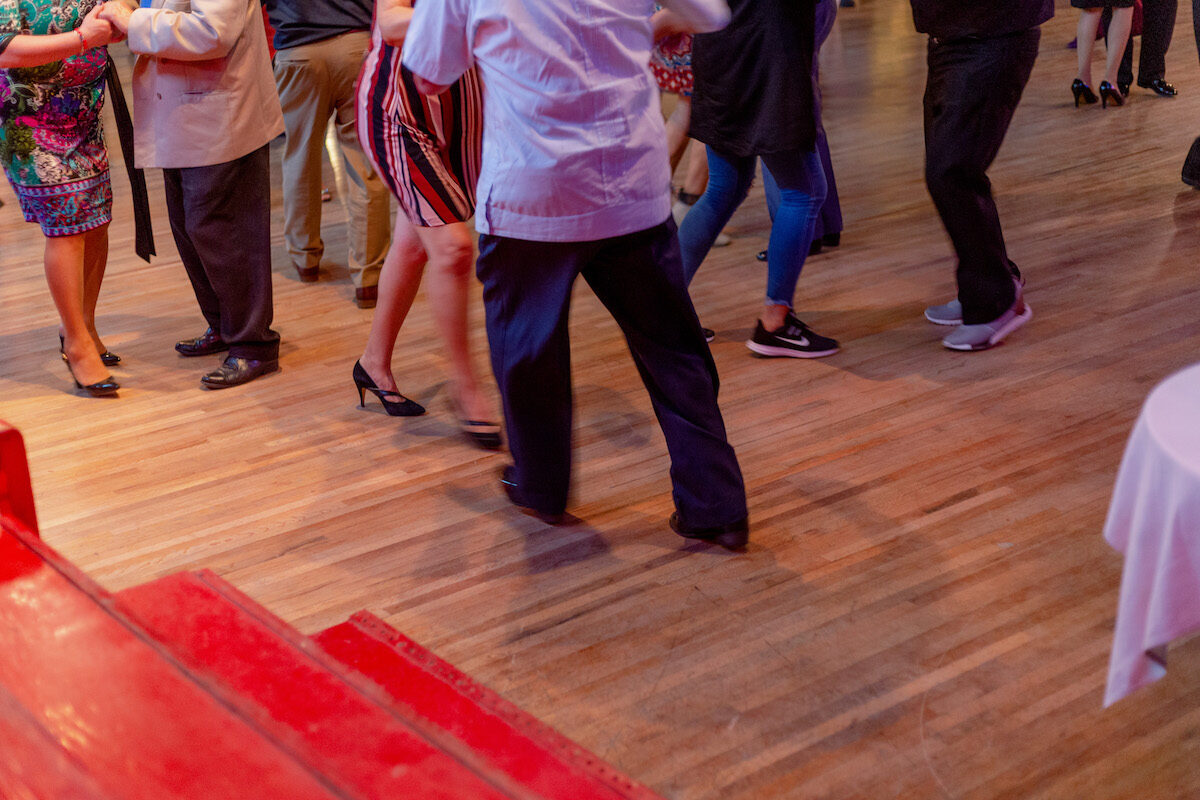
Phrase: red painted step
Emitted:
{"points": [[186, 688], [322, 713], [33, 765], [16, 494], [136, 725], [525, 749]]}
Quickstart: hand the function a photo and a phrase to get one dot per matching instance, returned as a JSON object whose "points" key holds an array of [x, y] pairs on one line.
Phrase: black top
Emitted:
{"points": [[753, 79], [955, 19], [298, 22]]}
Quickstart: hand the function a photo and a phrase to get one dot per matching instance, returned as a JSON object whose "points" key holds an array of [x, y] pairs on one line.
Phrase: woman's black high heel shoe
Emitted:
{"points": [[394, 403], [1083, 92], [1109, 92], [109, 358], [482, 434], [102, 388]]}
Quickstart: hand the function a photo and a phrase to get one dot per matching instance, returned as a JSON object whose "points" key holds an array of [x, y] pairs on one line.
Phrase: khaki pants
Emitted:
{"points": [[316, 83]]}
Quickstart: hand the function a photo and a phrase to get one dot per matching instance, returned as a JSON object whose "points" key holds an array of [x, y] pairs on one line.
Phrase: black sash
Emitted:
{"points": [[143, 226]]}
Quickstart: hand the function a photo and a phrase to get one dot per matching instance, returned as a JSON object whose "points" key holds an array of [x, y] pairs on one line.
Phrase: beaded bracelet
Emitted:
{"points": [[82, 42]]}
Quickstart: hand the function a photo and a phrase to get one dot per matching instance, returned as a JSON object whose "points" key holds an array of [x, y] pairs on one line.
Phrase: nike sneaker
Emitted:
{"points": [[989, 334], [793, 340], [951, 313]]}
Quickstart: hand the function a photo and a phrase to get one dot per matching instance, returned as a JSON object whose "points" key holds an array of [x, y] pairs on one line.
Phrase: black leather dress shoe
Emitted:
{"points": [[236, 371], [733, 536], [508, 480], [205, 345], [1160, 87]]}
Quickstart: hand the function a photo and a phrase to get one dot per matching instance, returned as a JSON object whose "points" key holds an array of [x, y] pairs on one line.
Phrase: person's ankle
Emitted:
{"points": [[771, 319]]}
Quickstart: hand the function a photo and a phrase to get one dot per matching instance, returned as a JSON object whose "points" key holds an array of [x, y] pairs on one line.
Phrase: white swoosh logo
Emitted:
{"points": [[801, 342]]}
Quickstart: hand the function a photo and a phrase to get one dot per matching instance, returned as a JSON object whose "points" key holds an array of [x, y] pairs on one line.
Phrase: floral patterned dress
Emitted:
{"points": [[671, 63], [51, 141]]}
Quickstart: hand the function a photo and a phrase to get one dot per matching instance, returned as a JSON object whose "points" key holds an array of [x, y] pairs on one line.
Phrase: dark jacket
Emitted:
{"points": [[753, 79], [955, 19]]}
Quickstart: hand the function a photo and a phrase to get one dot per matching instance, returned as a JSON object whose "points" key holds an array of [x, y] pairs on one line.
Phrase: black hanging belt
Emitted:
{"points": [[142, 224]]}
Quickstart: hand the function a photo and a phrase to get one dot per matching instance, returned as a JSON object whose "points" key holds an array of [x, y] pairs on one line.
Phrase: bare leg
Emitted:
{"points": [[677, 130], [64, 275], [773, 316], [1118, 35], [450, 259], [399, 279], [696, 176], [1085, 42], [95, 261]]}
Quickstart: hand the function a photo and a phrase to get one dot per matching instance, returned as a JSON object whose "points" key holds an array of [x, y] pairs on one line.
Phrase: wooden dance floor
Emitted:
{"points": [[927, 605]]}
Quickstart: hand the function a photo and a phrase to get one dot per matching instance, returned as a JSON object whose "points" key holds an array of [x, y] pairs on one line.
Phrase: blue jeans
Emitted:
{"points": [[802, 189], [830, 218]]}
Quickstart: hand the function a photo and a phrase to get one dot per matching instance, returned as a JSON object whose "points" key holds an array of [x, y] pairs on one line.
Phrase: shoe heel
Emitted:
{"points": [[1110, 92], [362, 402]]}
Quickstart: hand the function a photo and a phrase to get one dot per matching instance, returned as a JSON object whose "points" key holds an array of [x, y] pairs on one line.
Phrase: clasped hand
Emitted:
{"points": [[113, 14]]}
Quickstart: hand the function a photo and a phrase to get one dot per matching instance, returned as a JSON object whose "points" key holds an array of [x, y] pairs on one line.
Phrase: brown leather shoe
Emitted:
{"points": [[308, 274], [236, 371], [366, 296], [204, 345]]}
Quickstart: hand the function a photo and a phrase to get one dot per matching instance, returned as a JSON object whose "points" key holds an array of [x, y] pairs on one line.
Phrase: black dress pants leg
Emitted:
{"points": [[973, 88], [221, 220], [1196, 23], [1158, 25], [639, 278], [527, 299], [206, 296]]}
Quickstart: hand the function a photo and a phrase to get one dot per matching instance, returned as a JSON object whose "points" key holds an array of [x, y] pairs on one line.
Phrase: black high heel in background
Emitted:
{"points": [[1110, 92], [402, 407], [109, 358], [485, 435], [1083, 92]]}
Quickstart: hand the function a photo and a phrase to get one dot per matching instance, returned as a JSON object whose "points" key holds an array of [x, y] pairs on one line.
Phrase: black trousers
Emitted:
{"points": [[1158, 24], [639, 279], [221, 220], [973, 88]]}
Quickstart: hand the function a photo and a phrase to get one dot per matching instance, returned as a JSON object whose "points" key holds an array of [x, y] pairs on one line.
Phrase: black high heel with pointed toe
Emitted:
{"points": [[485, 435], [394, 403], [1083, 92], [1109, 92], [104, 388], [109, 358]]}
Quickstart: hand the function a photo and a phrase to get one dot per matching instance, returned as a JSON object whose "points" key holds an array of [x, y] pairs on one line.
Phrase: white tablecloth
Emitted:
{"points": [[1154, 521]]}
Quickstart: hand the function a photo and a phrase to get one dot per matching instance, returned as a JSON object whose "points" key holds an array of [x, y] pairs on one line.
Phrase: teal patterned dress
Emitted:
{"points": [[51, 141]]}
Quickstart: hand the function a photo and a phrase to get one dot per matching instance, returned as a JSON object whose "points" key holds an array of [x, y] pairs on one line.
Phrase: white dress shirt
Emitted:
{"points": [[573, 143]]}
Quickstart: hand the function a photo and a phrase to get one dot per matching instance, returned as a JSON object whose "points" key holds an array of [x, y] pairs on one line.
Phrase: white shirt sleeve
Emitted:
{"points": [[438, 44], [705, 16], [207, 31]]}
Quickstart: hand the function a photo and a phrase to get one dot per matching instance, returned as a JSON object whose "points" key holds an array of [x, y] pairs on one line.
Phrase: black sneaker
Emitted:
{"points": [[793, 340]]}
